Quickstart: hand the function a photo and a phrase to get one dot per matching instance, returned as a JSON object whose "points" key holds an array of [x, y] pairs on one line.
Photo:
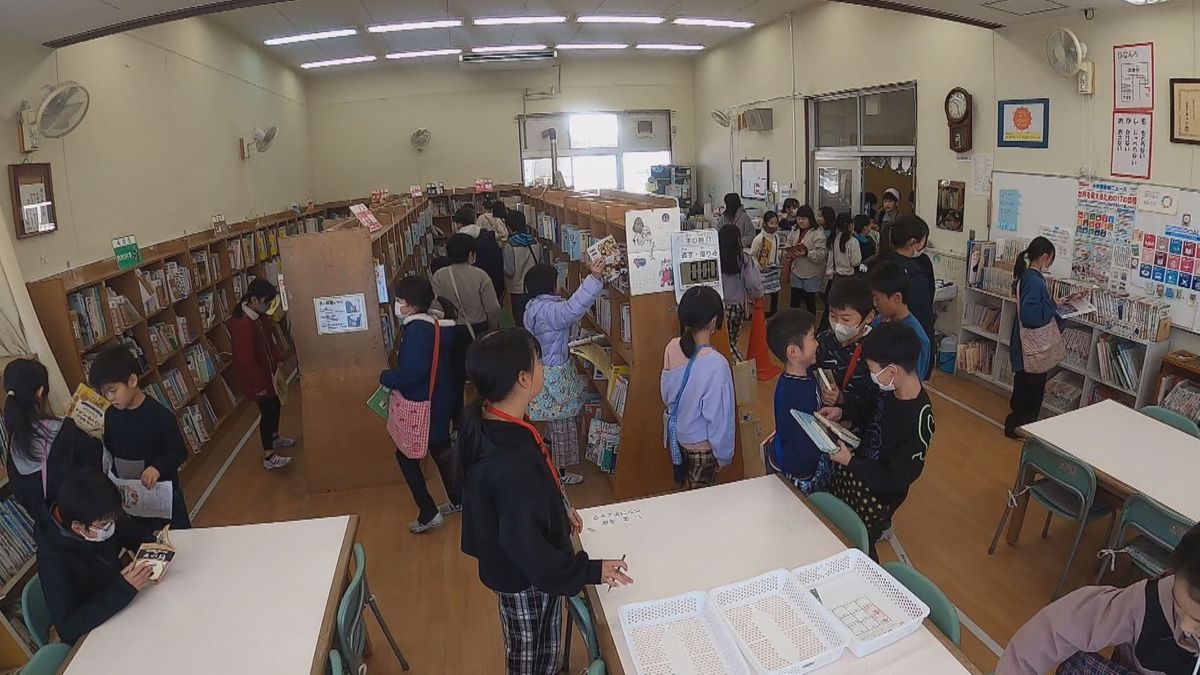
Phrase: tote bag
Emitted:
{"points": [[408, 421], [1043, 348]]}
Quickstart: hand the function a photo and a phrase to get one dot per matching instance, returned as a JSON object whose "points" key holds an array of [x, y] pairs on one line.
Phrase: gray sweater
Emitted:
{"points": [[475, 299]]}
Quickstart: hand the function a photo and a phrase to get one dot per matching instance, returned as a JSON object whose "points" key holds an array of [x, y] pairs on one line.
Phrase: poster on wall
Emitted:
{"points": [[648, 238], [1133, 76], [1185, 110], [1132, 143], [1009, 210], [1023, 123], [341, 314], [1104, 224]]}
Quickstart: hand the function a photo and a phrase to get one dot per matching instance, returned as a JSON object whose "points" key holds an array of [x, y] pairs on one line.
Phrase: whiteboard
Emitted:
{"points": [[1045, 201], [756, 177]]}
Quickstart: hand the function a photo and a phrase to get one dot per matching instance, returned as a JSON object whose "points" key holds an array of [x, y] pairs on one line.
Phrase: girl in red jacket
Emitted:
{"points": [[256, 355]]}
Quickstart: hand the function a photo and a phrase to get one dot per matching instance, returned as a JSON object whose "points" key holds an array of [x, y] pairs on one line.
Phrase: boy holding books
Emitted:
{"points": [[890, 287], [875, 477], [839, 351], [790, 335], [140, 433]]}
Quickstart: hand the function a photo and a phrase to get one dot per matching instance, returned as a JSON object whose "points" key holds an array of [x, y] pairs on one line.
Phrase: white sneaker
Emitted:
{"points": [[282, 442], [274, 461], [450, 509], [569, 478], [417, 528]]}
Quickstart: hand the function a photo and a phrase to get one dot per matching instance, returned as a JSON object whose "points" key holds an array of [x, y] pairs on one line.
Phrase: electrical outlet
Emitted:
{"points": [[1086, 79]]}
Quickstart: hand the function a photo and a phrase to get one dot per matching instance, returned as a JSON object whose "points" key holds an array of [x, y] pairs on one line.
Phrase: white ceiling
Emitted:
{"points": [[1009, 12]]}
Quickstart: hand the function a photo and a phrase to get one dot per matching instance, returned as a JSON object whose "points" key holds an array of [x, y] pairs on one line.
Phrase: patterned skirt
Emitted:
{"points": [[770, 280], [533, 628], [562, 394], [875, 514]]}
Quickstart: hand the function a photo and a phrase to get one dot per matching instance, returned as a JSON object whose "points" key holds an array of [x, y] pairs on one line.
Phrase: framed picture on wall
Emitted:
{"points": [[1185, 110], [32, 191], [1023, 123]]}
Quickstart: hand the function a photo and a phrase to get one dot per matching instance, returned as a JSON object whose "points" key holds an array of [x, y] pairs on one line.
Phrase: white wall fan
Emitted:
{"points": [[420, 139], [1065, 53], [59, 112], [260, 141]]}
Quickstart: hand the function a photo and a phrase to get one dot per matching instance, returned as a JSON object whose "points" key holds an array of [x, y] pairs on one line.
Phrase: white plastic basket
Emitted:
{"points": [[683, 634], [869, 607], [779, 626]]}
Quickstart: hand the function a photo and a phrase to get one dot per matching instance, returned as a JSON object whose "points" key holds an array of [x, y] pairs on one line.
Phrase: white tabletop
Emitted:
{"points": [[246, 599], [1134, 449], [698, 540]]}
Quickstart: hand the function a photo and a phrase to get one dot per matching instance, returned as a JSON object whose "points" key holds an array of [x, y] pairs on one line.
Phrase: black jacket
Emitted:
{"points": [[81, 579], [514, 519], [72, 449], [858, 398], [490, 259]]}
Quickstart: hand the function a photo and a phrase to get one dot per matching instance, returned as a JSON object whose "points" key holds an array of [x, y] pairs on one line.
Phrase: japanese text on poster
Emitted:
{"points": [[1133, 135], [341, 314]]}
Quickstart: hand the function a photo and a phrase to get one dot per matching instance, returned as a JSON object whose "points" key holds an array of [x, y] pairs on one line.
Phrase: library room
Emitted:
{"points": [[596, 336]]}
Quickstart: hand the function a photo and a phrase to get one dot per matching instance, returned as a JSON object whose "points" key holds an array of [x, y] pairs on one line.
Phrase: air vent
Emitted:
{"points": [[542, 58]]}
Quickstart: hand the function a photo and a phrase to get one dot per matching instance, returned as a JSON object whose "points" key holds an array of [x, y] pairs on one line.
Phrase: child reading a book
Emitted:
{"points": [[43, 449], [549, 317], [79, 564], [875, 477], [765, 250], [517, 520], [257, 354], [790, 336], [411, 377], [839, 351], [140, 433], [697, 388], [889, 291]]}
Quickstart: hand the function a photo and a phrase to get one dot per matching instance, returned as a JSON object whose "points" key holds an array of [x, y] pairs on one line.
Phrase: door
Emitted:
{"points": [[839, 184]]}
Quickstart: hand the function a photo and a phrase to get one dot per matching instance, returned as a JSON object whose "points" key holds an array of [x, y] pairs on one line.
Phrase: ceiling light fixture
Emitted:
{"points": [[609, 18], [423, 53], [517, 20], [308, 37], [672, 47], [415, 25], [1144, 2], [337, 62], [592, 45], [712, 23], [507, 48]]}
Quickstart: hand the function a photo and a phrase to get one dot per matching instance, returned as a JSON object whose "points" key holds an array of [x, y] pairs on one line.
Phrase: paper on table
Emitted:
{"points": [[143, 502]]}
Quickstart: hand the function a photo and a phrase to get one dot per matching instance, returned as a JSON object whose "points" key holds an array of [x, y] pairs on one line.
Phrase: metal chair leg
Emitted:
{"points": [[1000, 528], [568, 625], [386, 631], [1074, 549], [1046, 527], [890, 537]]}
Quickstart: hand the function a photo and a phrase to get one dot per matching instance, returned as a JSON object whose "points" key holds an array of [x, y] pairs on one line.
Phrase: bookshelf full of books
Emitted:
{"points": [[1114, 347], [17, 567]]}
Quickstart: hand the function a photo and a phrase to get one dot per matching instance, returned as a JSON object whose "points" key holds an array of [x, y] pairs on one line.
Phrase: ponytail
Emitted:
{"points": [[494, 364], [1037, 248], [23, 410], [844, 220], [698, 308]]}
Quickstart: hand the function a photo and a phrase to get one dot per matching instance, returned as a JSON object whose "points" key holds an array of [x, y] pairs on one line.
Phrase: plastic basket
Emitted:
{"points": [[870, 608], [683, 634], [781, 628]]}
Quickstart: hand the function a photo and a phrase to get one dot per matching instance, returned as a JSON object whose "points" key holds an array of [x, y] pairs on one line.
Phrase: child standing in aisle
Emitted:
{"points": [[740, 280], [256, 355], [806, 249], [839, 350], [493, 218], [140, 433], [517, 520], [874, 478], [697, 388], [735, 214], [792, 340], [863, 232], [412, 376], [787, 217], [909, 236], [845, 253], [889, 291], [521, 253], [471, 292], [765, 251], [549, 318]]}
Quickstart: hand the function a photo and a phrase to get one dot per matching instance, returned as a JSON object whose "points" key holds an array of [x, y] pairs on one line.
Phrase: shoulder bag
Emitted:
{"points": [[1043, 348], [408, 421], [462, 312]]}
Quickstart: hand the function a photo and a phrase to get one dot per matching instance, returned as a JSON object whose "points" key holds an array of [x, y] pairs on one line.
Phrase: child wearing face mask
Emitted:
{"points": [[415, 367], [791, 338], [765, 250], [839, 350], [79, 564], [875, 477]]}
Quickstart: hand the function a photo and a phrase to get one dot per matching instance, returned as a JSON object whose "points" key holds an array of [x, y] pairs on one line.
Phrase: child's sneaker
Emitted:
{"points": [[416, 527], [569, 478], [282, 442], [448, 509], [274, 461]]}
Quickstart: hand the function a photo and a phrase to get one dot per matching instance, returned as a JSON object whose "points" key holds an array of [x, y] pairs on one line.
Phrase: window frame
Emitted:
{"points": [[623, 146]]}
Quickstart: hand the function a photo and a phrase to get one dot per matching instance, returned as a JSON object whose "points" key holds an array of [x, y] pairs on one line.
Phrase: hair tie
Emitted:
{"points": [[11, 392]]}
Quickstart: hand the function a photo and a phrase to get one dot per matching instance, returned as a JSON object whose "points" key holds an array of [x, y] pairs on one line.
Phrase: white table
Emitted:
{"points": [[248, 599], [698, 540]]}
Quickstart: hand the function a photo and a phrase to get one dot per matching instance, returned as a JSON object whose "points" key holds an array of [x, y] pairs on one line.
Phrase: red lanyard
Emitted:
{"points": [[536, 437], [853, 364]]}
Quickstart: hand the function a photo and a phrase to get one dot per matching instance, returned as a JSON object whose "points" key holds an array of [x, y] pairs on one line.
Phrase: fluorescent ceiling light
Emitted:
{"points": [[517, 20], [610, 18], [713, 23], [592, 45], [426, 52], [1144, 2], [415, 25], [672, 47], [337, 62], [308, 37], [507, 48]]}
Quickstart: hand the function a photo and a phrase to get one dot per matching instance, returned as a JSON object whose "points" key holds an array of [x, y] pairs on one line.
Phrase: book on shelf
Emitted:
{"points": [[208, 310], [985, 317], [603, 441], [236, 260], [151, 302], [88, 316], [618, 388], [176, 387], [247, 242], [124, 314], [163, 339], [626, 324], [976, 357], [1180, 395], [17, 543], [204, 272], [1064, 390], [201, 364], [1078, 343], [240, 284], [179, 281], [1118, 362], [185, 333], [223, 311], [155, 391]]}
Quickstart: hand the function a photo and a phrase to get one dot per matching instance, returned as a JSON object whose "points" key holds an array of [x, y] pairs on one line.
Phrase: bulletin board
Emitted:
{"points": [[756, 178], [1136, 238]]}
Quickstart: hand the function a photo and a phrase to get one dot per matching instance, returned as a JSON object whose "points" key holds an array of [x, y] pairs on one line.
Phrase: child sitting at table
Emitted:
{"points": [[1153, 624], [839, 350], [790, 336], [79, 561], [875, 477]]}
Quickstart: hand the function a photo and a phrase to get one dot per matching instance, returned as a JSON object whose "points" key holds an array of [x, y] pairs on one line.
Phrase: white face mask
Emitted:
{"points": [[844, 332], [400, 307], [890, 386], [100, 535]]}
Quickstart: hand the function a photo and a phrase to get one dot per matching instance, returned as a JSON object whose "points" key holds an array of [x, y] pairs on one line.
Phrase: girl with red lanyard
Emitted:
{"points": [[517, 521]]}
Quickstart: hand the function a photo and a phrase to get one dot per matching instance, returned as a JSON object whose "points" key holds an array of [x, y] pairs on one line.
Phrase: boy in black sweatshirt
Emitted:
{"points": [[839, 350], [140, 433], [80, 539], [874, 478]]}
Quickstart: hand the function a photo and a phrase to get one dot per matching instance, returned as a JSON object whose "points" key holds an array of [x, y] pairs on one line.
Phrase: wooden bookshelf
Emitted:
{"points": [[442, 206]]}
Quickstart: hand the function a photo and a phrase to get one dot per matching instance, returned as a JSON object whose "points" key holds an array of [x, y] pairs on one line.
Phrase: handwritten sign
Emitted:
{"points": [[1010, 210], [1133, 74], [611, 517]]}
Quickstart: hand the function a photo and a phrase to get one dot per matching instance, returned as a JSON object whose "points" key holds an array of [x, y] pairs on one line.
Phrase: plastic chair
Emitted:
{"points": [[1171, 418], [581, 617], [336, 666], [33, 609], [351, 626], [47, 660], [844, 517], [1067, 488], [941, 610], [1159, 530]]}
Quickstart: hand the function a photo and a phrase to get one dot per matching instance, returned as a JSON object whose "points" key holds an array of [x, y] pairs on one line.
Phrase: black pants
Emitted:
{"points": [[519, 300], [1029, 389], [802, 296], [445, 456], [774, 304], [268, 428], [458, 363]]}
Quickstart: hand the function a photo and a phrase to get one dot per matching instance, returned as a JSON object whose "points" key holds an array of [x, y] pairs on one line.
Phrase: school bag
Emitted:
{"points": [[1043, 348], [408, 421]]}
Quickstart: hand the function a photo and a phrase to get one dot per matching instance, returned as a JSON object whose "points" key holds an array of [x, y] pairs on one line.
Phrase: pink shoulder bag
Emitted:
{"points": [[408, 421], [1043, 348]]}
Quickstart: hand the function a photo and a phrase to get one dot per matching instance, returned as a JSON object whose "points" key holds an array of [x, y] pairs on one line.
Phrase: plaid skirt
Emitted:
{"points": [[701, 468], [563, 436], [533, 628], [1091, 663], [561, 397]]}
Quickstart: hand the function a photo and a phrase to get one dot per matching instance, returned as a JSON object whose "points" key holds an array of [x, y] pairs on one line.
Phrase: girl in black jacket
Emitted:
{"points": [[517, 521], [909, 236]]}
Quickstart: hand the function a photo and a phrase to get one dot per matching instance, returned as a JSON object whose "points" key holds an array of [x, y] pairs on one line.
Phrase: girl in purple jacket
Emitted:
{"points": [[550, 317]]}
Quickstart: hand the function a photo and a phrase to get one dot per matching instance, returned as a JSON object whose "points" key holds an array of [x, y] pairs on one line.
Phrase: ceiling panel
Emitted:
{"points": [[1008, 12]]}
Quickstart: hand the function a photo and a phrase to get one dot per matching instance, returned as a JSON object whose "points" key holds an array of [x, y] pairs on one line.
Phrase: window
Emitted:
{"points": [[597, 150], [837, 122], [890, 118], [595, 130], [867, 119], [595, 172], [539, 169], [636, 168]]}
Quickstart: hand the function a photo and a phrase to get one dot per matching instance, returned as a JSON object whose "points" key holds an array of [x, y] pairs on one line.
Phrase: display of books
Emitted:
{"points": [[838, 430], [820, 435]]}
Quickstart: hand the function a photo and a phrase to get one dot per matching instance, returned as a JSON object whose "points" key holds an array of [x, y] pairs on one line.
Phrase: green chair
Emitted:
{"points": [[941, 610], [351, 626], [844, 517], [33, 608], [47, 660], [1171, 418], [1067, 488], [581, 617], [1159, 530]]}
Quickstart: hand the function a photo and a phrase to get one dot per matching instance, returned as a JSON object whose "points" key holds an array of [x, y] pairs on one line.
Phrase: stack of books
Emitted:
{"points": [[236, 260], [603, 440], [179, 281], [1078, 342], [124, 314], [1180, 395], [208, 309], [1118, 363], [153, 286], [88, 318], [976, 357], [202, 365], [197, 422], [1135, 318], [176, 387], [185, 331], [204, 273], [16, 539], [1064, 390], [155, 391], [985, 317], [163, 340], [618, 388]]}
